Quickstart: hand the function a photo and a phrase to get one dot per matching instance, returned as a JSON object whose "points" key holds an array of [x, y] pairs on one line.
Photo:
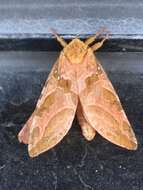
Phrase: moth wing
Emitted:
{"points": [[103, 110], [23, 135], [52, 117]]}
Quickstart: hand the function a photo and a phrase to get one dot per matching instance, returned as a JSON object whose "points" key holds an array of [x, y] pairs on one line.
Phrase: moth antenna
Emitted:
{"points": [[59, 39], [92, 38], [100, 44]]}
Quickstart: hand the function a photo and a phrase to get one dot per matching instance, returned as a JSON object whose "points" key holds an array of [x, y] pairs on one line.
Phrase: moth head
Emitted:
{"points": [[75, 51]]}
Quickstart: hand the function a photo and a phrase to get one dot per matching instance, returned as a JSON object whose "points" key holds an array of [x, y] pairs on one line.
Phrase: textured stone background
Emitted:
{"points": [[25, 24], [74, 164], [71, 17]]}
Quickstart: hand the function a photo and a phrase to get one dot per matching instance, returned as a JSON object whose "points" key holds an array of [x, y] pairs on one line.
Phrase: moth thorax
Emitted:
{"points": [[75, 51]]}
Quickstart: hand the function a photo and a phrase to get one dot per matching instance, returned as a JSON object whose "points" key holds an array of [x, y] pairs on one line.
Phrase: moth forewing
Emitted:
{"points": [[53, 115], [103, 109]]}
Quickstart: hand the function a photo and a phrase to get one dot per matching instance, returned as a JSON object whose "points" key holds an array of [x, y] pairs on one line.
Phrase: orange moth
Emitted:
{"points": [[77, 85]]}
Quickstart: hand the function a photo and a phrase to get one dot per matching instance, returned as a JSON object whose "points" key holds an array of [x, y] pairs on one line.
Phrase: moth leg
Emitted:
{"points": [[87, 130], [92, 38], [59, 39], [100, 44]]}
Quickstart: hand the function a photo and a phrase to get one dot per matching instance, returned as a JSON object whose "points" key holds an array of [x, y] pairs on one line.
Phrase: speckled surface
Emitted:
{"points": [[25, 24], [74, 164], [71, 17]]}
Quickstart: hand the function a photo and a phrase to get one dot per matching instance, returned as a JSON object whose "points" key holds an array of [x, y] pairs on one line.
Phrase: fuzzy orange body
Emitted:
{"points": [[78, 85]]}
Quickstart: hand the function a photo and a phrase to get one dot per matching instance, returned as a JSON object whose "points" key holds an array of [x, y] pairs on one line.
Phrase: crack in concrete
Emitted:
{"points": [[85, 185], [82, 162], [55, 182], [3, 166]]}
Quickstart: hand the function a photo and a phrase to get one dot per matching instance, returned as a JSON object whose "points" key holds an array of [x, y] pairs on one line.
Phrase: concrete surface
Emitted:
{"points": [[25, 24], [71, 17]]}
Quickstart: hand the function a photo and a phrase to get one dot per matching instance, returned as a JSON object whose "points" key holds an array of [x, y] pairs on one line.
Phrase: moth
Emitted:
{"points": [[77, 85]]}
